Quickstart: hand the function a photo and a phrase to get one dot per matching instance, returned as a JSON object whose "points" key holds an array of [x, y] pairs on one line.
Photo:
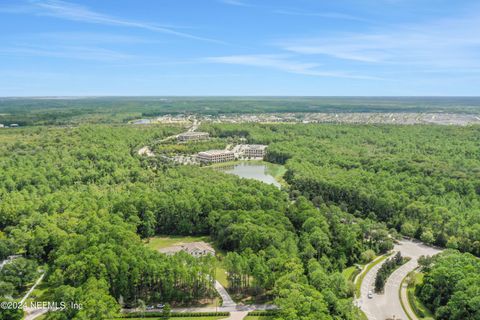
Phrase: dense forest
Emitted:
{"points": [[76, 110], [451, 286], [423, 181], [78, 201]]}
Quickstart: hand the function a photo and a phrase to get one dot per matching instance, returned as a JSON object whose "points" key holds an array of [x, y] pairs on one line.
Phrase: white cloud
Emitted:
{"points": [[283, 63], [70, 11], [234, 3], [326, 15], [449, 43]]}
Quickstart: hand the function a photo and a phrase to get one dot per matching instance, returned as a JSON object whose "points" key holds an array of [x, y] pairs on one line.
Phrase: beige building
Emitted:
{"points": [[196, 249], [254, 150], [193, 136], [214, 156]]}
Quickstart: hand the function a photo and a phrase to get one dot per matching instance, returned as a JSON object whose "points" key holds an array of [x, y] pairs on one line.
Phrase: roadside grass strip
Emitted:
{"points": [[420, 310], [361, 276], [401, 300]]}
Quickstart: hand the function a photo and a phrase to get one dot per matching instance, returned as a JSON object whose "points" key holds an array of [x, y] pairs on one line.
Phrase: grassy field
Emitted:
{"points": [[362, 315], [38, 294], [160, 242], [221, 275], [258, 318], [350, 272]]}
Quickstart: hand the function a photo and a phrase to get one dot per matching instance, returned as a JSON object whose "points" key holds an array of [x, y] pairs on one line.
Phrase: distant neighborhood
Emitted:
{"points": [[192, 136], [13, 125]]}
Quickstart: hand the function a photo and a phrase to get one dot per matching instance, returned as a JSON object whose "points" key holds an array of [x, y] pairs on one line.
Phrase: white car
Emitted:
{"points": [[370, 294]]}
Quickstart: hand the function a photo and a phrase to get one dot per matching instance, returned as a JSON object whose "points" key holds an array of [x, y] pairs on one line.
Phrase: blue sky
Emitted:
{"points": [[239, 47]]}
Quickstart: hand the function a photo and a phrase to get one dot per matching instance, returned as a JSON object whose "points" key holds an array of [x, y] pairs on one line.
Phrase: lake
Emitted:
{"points": [[251, 170]]}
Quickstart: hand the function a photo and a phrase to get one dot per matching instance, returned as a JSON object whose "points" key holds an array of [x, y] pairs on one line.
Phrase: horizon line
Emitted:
{"points": [[235, 96]]}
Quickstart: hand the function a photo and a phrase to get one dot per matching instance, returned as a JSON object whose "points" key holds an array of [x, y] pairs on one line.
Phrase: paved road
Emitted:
{"points": [[146, 151], [237, 312], [386, 305], [33, 313], [227, 300], [237, 315], [406, 304], [236, 308]]}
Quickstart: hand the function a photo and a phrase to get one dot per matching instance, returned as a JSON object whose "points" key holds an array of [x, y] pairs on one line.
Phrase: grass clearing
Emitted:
{"points": [[40, 293], [160, 242], [362, 315], [350, 272], [221, 275]]}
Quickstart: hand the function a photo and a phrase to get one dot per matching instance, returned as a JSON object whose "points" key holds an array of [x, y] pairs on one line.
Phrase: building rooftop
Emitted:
{"points": [[256, 146], [215, 152], [192, 247], [193, 134]]}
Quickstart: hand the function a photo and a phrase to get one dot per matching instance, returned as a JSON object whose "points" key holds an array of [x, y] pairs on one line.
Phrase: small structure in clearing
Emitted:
{"points": [[196, 249]]}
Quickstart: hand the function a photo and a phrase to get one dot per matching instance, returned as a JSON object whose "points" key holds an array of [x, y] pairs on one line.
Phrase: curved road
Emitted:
{"points": [[387, 305]]}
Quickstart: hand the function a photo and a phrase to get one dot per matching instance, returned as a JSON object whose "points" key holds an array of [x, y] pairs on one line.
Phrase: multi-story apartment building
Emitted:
{"points": [[214, 156], [254, 150], [193, 136]]}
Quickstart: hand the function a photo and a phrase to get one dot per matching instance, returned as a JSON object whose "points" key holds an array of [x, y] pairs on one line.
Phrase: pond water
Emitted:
{"points": [[257, 171]]}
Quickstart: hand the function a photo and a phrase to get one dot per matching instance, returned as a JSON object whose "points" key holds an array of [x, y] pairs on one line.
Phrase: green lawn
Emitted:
{"points": [[221, 275], [258, 318], [350, 272], [38, 294], [160, 242], [362, 315]]}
